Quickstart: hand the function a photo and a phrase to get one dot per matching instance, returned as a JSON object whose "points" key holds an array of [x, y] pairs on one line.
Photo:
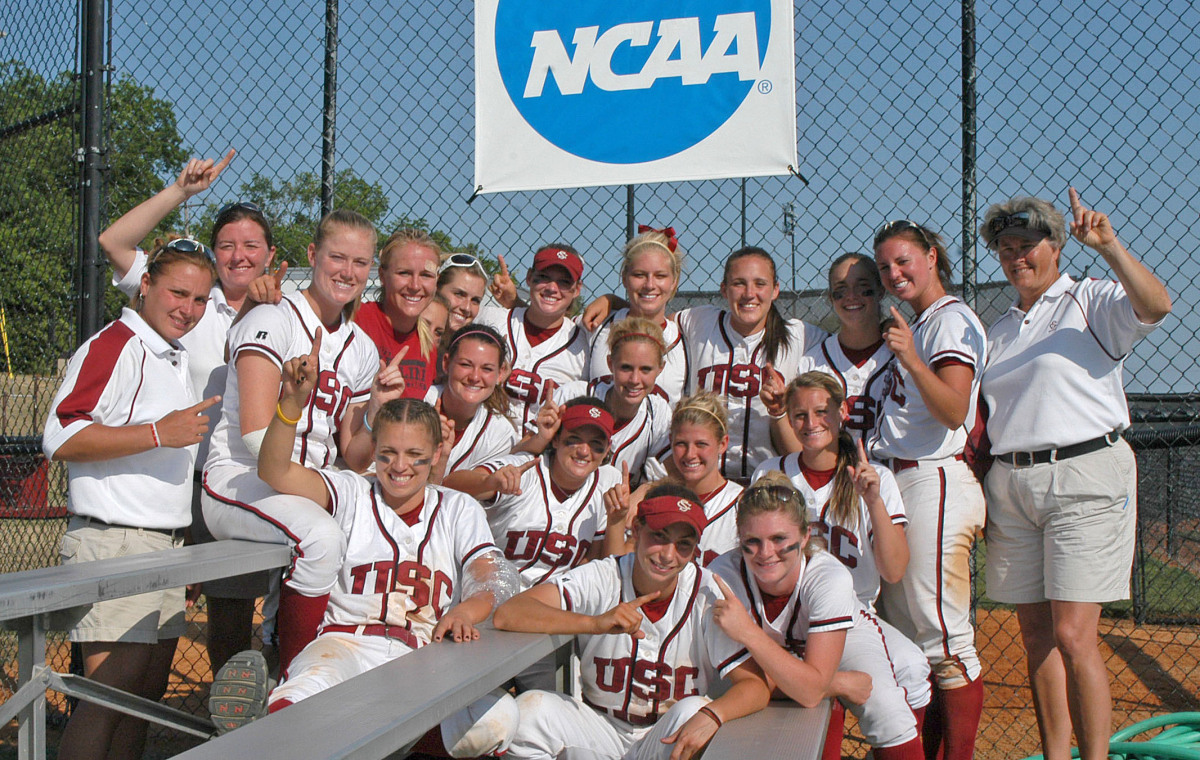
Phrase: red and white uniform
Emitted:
{"points": [[205, 344], [853, 546], [418, 370], [671, 384], [485, 437], [635, 691], [943, 501], [730, 364], [560, 356], [399, 572], [646, 436], [862, 380], [541, 533], [720, 535], [126, 374], [239, 505], [823, 601]]}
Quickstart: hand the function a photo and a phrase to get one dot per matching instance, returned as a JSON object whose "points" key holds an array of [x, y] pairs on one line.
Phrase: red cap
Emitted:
{"points": [[586, 414], [662, 511], [557, 257]]}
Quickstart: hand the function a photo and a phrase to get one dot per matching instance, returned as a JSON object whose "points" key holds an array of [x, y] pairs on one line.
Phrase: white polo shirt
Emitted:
{"points": [[205, 344], [1054, 375], [124, 375]]}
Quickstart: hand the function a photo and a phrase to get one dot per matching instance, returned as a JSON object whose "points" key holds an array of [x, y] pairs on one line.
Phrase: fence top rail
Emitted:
{"points": [[33, 592], [381, 711]]}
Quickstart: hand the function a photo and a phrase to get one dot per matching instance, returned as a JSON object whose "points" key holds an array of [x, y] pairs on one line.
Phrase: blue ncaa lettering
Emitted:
{"points": [[627, 81]]}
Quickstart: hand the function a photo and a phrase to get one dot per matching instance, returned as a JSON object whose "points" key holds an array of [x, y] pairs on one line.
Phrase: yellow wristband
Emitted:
{"points": [[283, 418]]}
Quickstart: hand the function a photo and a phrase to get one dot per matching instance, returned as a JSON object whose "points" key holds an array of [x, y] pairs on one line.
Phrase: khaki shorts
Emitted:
{"points": [[1062, 531], [142, 619]]}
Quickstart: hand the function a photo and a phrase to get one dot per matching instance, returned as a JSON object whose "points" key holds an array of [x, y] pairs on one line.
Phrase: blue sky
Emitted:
{"points": [[1102, 96]]}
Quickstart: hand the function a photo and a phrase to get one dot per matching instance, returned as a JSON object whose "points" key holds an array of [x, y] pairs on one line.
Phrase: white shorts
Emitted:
{"points": [[142, 619], [248, 586], [1063, 531], [558, 726], [931, 605], [239, 505], [886, 719]]}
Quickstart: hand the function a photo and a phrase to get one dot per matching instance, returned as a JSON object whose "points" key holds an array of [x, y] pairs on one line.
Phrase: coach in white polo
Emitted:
{"points": [[1062, 494]]}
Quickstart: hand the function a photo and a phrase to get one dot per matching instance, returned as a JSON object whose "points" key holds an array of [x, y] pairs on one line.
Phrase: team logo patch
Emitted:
{"points": [[585, 75], [684, 505], [562, 255], [594, 413]]}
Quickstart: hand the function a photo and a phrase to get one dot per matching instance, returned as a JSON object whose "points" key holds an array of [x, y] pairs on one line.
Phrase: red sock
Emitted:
{"points": [[278, 705], [834, 733], [919, 714], [931, 726], [296, 622], [430, 744], [909, 750], [961, 709]]}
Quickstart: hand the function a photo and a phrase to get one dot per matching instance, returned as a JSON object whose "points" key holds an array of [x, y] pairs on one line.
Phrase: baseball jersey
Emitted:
{"points": [[395, 573], [646, 435], [1054, 375], [947, 332], [852, 545], [731, 364], [560, 358], [126, 374], [205, 344], [418, 371], [683, 654], [486, 436], [671, 384], [822, 600], [283, 331], [537, 532], [862, 384], [720, 535]]}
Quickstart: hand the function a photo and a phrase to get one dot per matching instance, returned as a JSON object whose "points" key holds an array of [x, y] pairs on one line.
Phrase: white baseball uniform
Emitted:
{"points": [[541, 534], [647, 435], [852, 545], [943, 501], [239, 505], [485, 437], [862, 383], [399, 576], [822, 601], [561, 358], [635, 691], [720, 535], [731, 364], [671, 384]]}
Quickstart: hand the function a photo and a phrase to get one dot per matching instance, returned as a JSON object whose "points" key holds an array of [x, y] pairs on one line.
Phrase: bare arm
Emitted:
{"points": [[258, 390], [97, 442], [275, 465], [946, 391], [888, 542], [747, 694]]}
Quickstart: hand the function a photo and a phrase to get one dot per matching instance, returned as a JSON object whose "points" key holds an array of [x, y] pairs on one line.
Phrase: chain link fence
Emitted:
{"points": [[1104, 97]]}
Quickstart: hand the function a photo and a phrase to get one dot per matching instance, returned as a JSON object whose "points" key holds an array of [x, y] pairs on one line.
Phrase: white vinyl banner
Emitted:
{"points": [[615, 92]]}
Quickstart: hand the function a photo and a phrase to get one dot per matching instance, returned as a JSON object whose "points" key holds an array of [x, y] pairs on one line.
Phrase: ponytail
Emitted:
{"points": [[843, 501]]}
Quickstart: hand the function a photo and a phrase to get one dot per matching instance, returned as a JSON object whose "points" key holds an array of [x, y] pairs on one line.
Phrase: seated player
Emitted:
{"points": [[649, 647], [419, 567]]}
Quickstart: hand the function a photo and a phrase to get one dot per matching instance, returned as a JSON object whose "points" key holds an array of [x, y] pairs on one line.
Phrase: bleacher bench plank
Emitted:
{"points": [[783, 730]]}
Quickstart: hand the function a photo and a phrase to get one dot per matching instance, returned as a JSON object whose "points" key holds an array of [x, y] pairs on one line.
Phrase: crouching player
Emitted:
{"points": [[649, 648], [420, 566]]}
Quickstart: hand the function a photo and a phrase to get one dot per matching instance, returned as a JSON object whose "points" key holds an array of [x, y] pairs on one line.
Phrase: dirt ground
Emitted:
{"points": [[1154, 669]]}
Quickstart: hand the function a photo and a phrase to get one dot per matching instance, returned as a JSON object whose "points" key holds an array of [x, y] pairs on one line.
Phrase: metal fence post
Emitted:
{"points": [[968, 153], [91, 290], [329, 111]]}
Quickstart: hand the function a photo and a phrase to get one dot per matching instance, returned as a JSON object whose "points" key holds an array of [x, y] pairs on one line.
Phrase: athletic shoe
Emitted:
{"points": [[239, 692]]}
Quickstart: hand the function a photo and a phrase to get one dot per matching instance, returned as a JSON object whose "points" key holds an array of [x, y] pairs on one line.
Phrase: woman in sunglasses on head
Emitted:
{"points": [[1062, 493], [408, 265], [127, 424], [243, 248], [462, 281], [929, 403]]}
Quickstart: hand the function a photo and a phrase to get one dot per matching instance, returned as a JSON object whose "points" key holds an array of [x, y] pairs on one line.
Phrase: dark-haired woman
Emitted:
{"points": [[127, 423], [929, 399], [243, 249]]}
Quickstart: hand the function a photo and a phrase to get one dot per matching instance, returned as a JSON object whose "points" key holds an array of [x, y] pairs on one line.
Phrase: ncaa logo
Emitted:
{"points": [[629, 81]]}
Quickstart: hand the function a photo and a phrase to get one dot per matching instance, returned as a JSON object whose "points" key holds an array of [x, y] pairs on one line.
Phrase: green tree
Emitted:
{"points": [[39, 196]]}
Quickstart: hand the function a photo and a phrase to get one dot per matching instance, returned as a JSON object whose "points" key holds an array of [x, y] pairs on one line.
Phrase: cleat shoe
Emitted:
{"points": [[239, 691]]}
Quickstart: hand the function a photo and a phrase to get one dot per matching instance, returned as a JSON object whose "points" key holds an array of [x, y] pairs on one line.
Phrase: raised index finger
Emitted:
{"points": [[205, 404], [1076, 204], [896, 315], [316, 344], [503, 265], [224, 162], [625, 473], [280, 272], [525, 467], [862, 452], [645, 598], [399, 357], [725, 590]]}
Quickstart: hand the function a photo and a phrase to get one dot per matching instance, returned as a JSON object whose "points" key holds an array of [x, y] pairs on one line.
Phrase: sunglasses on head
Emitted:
{"points": [[1001, 223], [240, 206], [780, 493], [900, 225], [183, 245], [462, 260]]}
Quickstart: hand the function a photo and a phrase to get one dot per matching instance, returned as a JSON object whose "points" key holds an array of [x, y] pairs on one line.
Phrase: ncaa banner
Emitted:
{"points": [[615, 92]]}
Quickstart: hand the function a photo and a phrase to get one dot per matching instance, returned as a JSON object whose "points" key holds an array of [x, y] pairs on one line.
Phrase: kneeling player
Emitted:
{"points": [[649, 648], [420, 566]]}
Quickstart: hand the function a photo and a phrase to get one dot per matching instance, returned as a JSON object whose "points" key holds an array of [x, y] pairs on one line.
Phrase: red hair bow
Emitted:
{"points": [[672, 241]]}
